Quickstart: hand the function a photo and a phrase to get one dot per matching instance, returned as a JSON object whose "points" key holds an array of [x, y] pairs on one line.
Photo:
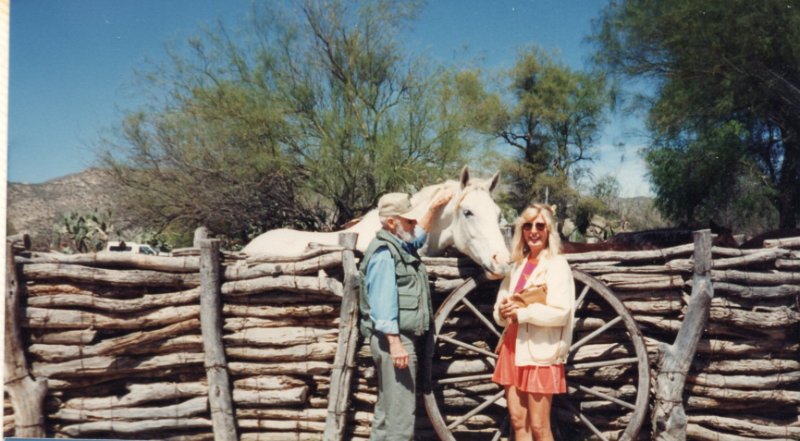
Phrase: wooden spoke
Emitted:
{"points": [[472, 348], [579, 301], [596, 364], [465, 379], [477, 409], [595, 333], [480, 316], [604, 396], [591, 426], [503, 428]]}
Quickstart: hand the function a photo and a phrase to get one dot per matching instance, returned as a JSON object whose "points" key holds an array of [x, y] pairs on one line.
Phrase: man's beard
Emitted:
{"points": [[404, 235]]}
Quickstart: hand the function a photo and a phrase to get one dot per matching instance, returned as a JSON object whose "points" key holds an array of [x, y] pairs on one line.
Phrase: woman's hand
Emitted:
{"points": [[508, 309]]}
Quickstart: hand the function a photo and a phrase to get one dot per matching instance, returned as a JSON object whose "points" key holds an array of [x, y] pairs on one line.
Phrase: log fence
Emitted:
{"points": [[114, 345]]}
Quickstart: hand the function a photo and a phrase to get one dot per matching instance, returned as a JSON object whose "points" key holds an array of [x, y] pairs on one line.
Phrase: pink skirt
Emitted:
{"points": [[532, 379]]}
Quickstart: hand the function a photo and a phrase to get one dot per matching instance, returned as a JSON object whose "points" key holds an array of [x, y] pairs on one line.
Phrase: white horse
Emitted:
{"points": [[470, 222]]}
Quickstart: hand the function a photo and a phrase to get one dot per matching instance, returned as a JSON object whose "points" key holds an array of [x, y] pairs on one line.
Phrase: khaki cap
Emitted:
{"points": [[399, 204]]}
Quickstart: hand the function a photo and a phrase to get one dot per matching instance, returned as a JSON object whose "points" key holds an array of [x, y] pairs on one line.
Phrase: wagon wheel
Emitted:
{"points": [[607, 369]]}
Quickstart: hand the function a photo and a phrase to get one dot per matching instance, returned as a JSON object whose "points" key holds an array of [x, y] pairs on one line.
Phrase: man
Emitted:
{"points": [[396, 311]]}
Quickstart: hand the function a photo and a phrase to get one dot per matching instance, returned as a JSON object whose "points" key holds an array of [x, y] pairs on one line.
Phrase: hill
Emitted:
{"points": [[35, 208]]}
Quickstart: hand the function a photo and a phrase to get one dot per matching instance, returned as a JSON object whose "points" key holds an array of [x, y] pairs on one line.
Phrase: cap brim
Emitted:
{"points": [[416, 213]]}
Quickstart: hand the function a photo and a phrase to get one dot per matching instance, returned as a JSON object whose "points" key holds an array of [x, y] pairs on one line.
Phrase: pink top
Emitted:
{"points": [[523, 278]]}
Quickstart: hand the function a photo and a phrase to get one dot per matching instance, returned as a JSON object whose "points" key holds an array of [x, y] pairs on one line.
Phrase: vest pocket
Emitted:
{"points": [[408, 301]]}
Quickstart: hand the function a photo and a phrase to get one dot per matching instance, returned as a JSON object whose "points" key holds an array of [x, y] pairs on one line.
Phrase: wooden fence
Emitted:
{"points": [[123, 346]]}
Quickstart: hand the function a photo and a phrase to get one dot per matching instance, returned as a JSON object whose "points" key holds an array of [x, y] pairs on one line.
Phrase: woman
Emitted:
{"points": [[535, 345]]}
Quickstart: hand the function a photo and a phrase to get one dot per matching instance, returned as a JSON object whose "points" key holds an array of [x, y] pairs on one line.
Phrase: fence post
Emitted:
{"points": [[26, 393], [669, 417], [219, 391], [343, 363]]}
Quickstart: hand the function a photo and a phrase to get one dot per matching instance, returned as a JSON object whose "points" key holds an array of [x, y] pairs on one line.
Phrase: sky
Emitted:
{"points": [[73, 64]]}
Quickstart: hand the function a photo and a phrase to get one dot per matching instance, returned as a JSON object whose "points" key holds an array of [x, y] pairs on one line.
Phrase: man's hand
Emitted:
{"points": [[442, 198], [397, 351]]}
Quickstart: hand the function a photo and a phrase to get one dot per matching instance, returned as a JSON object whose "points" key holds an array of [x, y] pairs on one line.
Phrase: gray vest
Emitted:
{"points": [[413, 289]]}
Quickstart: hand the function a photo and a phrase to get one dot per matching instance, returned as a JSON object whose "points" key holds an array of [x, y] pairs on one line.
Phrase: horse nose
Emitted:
{"points": [[501, 261]]}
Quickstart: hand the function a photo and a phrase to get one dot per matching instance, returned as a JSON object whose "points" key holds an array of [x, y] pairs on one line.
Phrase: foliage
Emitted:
{"points": [[549, 115], [77, 232], [304, 121], [724, 115]]}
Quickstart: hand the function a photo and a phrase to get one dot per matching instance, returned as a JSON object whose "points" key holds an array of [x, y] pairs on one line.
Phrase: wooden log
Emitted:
{"points": [[700, 433], [758, 292], [106, 365], [219, 392], [762, 256], [133, 427], [295, 414], [669, 417], [239, 368], [283, 424], [745, 347], [233, 324], [755, 381], [300, 312], [448, 261], [787, 264], [756, 278], [631, 256], [268, 382], [627, 282], [80, 337], [88, 301], [253, 260], [139, 394], [119, 260], [445, 285], [747, 366], [308, 266], [287, 336], [25, 391], [786, 242], [322, 351], [342, 369], [292, 396], [754, 319], [675, 266], [299, 284], [280, 436], [752, 396], [191, 407], [85, 274], [42, 318], [760, 430], [119, 345]]}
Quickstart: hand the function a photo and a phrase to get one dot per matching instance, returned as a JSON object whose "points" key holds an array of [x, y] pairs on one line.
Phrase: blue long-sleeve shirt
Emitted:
{"points": [[382, 284]]}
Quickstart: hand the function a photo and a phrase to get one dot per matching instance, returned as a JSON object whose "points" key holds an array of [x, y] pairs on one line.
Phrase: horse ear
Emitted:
{"points": [[495, 180], [464, 176]]}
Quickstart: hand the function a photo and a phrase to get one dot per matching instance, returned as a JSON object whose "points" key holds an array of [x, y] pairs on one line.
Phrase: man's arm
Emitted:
{"points": [[383, 304]]}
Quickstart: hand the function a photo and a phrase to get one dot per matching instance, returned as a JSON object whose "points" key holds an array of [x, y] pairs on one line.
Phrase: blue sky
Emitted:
{"points": [[72, 66]]}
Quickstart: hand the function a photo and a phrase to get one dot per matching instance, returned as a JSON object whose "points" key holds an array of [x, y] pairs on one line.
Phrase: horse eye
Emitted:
{"points": [[467, 213]]}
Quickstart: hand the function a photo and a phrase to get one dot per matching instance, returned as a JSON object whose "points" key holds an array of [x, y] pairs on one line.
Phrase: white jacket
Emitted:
{"points": [[545, 330]]}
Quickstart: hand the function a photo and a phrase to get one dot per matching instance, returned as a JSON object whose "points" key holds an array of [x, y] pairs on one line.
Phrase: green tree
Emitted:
{"points": [[304, 120], [724, 112], [549, 115]]}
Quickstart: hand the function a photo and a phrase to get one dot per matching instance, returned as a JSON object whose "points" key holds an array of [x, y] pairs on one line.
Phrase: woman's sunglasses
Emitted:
{"points": [[540, 226]]}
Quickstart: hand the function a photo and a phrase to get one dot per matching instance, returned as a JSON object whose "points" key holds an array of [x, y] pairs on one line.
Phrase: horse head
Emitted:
{"points": [[470, 223]]}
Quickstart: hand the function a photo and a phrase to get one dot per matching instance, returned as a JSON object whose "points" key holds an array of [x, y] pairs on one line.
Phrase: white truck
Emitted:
{"points": [[120, 246]]}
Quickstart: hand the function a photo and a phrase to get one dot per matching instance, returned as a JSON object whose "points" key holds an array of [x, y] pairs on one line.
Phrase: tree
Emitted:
{"points": [[549, 115], [304, 121], [724, 112]]}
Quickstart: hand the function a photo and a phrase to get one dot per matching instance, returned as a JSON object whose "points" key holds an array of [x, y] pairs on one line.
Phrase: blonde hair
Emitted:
{"points": [[519, 249]]}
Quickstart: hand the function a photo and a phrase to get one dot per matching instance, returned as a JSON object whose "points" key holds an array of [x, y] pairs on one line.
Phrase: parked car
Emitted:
{"points": [[121, 246]]}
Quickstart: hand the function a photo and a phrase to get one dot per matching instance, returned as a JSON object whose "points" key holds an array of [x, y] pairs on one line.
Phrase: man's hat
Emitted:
{"points": [[399, 204]]}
